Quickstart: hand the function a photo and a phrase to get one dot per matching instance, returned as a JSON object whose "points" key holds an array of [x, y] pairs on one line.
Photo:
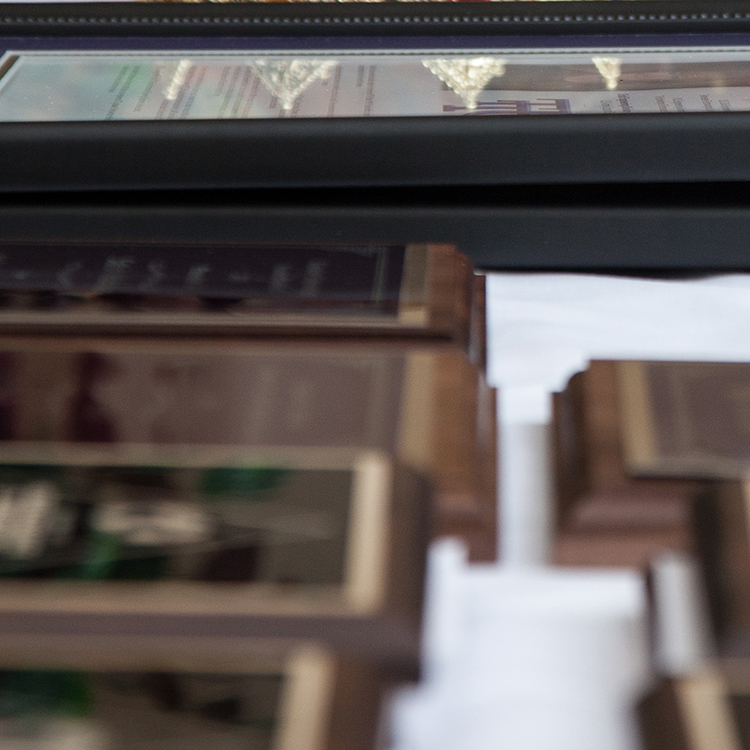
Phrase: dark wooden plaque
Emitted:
{"points": [[634, 549], [696, 712], [478, 330], [254, 695], [595, 492], [159, 288], [722, 528], [419, 403], [480, 526], [685, 419], [134, 539], [485, 534]]}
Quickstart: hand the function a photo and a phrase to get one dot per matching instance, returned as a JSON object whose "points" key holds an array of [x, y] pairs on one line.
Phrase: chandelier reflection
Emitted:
{"points": [[467, 76], [610, 69], [178, 79], [287, 79]]}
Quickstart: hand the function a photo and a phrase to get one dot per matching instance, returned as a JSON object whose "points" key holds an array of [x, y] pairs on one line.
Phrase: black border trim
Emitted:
{"points": [[362, 19], [550, 149], [693, 228]]}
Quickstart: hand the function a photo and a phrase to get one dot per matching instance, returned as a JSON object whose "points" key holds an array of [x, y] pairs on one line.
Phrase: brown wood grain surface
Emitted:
{"points": [[593, 488]]}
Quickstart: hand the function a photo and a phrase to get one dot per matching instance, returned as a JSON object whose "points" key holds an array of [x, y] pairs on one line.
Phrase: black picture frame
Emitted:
{"points": [[686, 228], [377, 152]]}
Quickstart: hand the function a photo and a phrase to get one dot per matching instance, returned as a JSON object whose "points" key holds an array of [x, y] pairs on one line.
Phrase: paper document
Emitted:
{"points": [[97, 86]]}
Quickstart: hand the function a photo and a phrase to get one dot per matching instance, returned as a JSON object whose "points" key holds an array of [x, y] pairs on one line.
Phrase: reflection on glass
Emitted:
{"points": [[67, 710], [466, 76], [90, 85], [200, 523], [178, 79], [610, 69], [287, 79]]}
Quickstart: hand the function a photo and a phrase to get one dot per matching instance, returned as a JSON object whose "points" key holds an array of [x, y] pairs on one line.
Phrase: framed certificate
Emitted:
{"points": [[169, 95], [196, 84]]}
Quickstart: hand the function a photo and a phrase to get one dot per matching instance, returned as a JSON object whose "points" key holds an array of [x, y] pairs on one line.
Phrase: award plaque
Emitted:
{"points": [[419, 403], [421, 291], [478, 351], [207, 539], [487, 415], [605, 514], [685, 419], [696, 712], [625, 548], [596, 486], [722, 528], [180, 695], [635, 441]]}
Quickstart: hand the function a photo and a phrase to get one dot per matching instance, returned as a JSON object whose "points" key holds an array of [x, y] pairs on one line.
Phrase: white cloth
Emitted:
{"points": [[531, 658], [544, 327], [525, 659]]}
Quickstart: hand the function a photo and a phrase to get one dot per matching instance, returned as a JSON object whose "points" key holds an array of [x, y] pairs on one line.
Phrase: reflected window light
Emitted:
{"points": [[25, 514], [610, 69], [152, 523], [287, 79], [466, 76]]}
